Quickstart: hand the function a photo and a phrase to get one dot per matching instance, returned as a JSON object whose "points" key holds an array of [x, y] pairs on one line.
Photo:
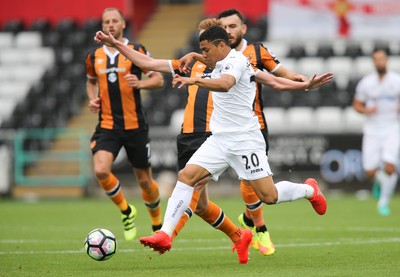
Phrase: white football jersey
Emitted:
{"points": [[233, 110], [384, 95]]}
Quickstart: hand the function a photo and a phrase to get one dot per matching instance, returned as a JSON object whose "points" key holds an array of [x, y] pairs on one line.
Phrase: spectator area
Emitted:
{"points": [[42, 76]]}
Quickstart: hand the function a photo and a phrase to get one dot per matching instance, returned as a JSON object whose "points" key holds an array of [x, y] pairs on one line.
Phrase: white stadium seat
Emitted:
{"points": [[289, 63], [353, 121], [329, 120], [300, 120], [276, 120], [44, 56], [11, 56], [7, 107], [176, 121], [394, 63], [35, 56], [311, 65], [14, 90], [363, 66], [28, 39], [6, 40], [340, 66], [279, 48]]}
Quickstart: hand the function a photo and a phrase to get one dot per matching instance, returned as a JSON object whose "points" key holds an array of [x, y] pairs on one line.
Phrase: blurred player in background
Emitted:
{"points": [[113, 89], [377, 96]]}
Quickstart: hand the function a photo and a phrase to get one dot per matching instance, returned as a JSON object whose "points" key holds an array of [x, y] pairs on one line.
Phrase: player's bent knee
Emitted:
{"points": [[269, 199], [101, 172], [144, 183]]}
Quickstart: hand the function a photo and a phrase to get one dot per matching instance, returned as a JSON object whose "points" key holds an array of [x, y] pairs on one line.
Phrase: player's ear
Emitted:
{"points": [[244, 29]]}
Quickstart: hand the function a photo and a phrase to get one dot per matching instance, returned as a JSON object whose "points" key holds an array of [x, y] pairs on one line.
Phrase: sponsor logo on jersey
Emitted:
{"points": [[112, 69], [203, 75]]}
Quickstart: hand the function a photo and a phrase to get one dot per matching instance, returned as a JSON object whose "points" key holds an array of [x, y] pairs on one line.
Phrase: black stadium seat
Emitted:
{"points": [[40, 25], [14, 26], [297, 51]]}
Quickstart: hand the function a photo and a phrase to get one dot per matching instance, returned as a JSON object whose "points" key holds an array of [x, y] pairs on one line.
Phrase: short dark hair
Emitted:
{"points": [[230, 12], [379, 48], [214, 34]]}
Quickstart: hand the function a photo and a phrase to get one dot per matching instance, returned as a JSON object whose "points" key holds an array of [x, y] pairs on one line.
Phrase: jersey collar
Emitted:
{"points": [[244, 45], [112, 56]]}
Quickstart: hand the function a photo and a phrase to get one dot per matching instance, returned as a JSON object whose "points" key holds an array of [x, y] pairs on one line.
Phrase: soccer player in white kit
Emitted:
{"points": [[236, 139], [377, 96]]}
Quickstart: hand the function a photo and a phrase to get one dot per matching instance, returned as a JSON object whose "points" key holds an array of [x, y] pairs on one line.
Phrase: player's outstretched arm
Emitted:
{"points": [[288, 74], [141, 60], [281, 84], [222, 84]]}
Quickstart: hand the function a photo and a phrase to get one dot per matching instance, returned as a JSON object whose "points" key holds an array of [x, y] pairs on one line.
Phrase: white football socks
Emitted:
{"points": [[289, 191], [177, 204], [388, 186]]}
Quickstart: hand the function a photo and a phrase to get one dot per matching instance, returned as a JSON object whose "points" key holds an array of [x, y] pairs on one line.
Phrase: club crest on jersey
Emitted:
{"points": [[112, 77]]}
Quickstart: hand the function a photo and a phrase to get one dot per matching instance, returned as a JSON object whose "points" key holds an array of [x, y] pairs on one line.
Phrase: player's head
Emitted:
{"points": [[113, 21], [207, 23], [214, 44], [380, 59], [233, 22]]}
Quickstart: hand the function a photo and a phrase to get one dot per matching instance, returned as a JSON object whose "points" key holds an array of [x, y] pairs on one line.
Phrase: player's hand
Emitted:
{"points": [[300, 78], [370, 110], [133, 81], [186, 60], [180, 81], [94, 105], [317, 81], [102, 38]]}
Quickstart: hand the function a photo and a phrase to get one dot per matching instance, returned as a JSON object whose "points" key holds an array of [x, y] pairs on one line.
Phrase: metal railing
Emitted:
{"points": [[27, 158]]}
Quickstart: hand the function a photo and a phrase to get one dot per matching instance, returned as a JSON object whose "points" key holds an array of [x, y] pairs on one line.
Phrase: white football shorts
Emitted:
{"points": [[381, 147], [245, 153]]}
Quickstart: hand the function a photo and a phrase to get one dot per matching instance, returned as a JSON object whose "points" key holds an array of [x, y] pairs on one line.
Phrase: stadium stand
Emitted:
{"points": [[53, 69]]}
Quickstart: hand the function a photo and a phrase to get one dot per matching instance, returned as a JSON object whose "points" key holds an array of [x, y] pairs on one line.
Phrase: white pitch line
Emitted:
{"points": [[334, 243]]}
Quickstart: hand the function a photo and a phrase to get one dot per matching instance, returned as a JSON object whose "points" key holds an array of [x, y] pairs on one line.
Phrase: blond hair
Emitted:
{"points": [[209, 22], [113, 9]]}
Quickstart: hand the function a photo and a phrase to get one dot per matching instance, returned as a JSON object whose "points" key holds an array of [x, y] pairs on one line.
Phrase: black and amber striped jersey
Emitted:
{"points": [[199, 104], [121, 107], [261, 58]]}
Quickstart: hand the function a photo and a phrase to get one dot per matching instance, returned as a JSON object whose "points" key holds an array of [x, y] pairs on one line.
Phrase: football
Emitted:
{"points": [[100, 244]]}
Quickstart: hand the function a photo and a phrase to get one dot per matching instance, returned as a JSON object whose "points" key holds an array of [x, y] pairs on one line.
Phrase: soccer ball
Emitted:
{"points": [[100, 244]]}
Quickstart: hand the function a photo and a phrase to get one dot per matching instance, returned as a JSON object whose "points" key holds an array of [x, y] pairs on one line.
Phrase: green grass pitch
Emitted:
{"points": [[45, 238]]}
